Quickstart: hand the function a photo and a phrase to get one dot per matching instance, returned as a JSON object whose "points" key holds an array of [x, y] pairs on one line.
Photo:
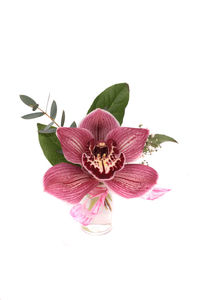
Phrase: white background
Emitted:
{"points": [[74, 50]]}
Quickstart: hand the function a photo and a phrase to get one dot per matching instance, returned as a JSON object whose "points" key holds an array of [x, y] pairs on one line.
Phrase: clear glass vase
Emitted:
{"points": [[94, 212], [101, 223]]}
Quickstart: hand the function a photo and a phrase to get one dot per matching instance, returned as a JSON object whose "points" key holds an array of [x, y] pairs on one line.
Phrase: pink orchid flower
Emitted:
{"points": [[104, 150]]}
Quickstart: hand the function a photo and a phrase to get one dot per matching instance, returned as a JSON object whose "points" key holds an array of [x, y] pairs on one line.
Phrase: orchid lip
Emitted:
{"points": [[102, 159]]}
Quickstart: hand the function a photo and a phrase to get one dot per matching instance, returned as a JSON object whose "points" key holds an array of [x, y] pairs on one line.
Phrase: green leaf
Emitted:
{"points": [[114, 99], [73, 125], [63, 119], [33, 115], [50, 130], [51, 146], [153, 142], [27, 100], [60, 151], [35, 107], [48, 126], [158, 139], [53, 111]]}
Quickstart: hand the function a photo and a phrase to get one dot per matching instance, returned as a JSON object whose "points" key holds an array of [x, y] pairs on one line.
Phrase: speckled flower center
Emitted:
{"points": [[102, 159]]}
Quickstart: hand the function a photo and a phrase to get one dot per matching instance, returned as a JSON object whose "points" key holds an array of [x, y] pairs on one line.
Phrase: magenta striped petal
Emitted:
{"points": [[68, 182], [99, 123], [133, 180], [73, 142], [130, 141]]}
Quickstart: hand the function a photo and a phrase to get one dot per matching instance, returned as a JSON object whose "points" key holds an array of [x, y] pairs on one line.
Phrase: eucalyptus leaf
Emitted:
{"points": [[33, 115], [48, 126], [51, 146], [53, 111], [73, 125], [63, 119], [35, 107], [50, 130], [114, 99], [27, 100], [47, 102]]}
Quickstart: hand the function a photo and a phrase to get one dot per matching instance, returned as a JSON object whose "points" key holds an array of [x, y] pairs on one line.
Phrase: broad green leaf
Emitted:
{"points": [[53, 111], [158, 139], [51, 146], [63, 119], [114, 99], [33, 115], [27, 100], [73, 125], [153, 142], [60, 151]]}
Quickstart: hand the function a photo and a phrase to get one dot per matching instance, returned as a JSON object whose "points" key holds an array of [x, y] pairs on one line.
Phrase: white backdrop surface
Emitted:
{"points": [[74, 50]]}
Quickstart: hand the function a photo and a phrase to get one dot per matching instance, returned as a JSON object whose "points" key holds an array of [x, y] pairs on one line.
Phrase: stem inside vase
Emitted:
{"points": [[102, 221]]}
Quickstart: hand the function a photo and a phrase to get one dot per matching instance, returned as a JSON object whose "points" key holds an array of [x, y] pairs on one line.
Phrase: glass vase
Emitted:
{"points": [[101, 222]]}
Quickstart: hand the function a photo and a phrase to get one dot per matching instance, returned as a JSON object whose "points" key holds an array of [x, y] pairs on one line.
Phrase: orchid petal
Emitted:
{"points": [[68, 182], [73, 142], [155, 193], [99, 123], [130, 141], [133, 180]]}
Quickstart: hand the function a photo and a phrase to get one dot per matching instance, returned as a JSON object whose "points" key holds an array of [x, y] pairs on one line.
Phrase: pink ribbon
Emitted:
{"points": [[155, 193], [82, 214]]}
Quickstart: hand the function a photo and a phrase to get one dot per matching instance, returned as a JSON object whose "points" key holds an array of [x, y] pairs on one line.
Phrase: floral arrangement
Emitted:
{"points": [[96, 157]]}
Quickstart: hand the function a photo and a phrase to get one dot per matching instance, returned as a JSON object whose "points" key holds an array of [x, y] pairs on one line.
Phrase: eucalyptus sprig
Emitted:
{"points": [[52, 116]]}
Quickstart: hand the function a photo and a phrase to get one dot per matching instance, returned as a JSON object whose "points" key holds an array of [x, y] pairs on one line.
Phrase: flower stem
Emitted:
{"points": [[107, 204], [48, 116]]}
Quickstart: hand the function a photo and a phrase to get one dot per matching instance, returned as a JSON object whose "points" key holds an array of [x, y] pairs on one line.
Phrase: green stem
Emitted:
{"points": [[107, 204], [48, 116]]}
